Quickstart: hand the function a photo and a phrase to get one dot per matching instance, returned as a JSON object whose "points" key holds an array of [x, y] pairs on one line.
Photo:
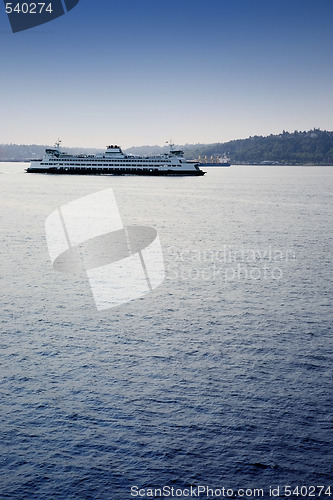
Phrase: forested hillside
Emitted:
{"points": [[297, 148]]}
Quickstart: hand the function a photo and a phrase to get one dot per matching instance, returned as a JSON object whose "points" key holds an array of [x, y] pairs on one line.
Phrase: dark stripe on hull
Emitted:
{"points": [[111, 171]]}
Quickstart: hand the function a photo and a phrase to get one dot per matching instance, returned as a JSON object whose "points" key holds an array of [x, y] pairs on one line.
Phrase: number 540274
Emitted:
{"points": [[28, 8]]}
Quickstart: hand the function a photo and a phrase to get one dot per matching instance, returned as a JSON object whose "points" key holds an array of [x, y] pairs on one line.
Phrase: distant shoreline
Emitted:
{"points": [[313, 147], [232, 164]]}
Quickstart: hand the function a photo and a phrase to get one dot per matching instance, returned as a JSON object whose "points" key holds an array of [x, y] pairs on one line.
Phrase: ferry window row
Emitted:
{"points": [[107, 162], [97, 165], [129, 160]]}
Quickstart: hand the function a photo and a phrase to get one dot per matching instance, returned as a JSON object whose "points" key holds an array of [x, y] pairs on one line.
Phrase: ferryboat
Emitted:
{"points": [[113, 161]]}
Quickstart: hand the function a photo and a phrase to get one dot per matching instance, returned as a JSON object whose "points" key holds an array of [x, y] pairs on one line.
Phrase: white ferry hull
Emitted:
{"points": [[114, 162], [111, 171]]}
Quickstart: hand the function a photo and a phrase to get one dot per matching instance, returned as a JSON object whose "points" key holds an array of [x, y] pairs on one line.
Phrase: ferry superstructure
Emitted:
{"points": [[114, 161]]}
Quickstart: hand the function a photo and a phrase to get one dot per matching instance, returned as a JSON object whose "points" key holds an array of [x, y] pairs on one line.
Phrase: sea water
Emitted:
{"points": [[219, 378]]}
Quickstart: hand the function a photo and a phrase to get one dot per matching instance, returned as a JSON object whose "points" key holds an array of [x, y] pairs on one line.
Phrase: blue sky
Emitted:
{"points": [[140, 72]]}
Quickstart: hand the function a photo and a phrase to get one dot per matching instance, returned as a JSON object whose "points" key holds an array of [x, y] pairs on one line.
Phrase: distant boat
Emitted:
{"points": [[113, 161], [223, 161]]}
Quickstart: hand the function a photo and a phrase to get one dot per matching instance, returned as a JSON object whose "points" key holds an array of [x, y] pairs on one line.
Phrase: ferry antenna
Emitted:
{"points": [[171, 144]]}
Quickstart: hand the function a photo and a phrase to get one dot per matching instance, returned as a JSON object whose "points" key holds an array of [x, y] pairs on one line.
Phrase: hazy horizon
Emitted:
{"points": [[75, 146]]}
